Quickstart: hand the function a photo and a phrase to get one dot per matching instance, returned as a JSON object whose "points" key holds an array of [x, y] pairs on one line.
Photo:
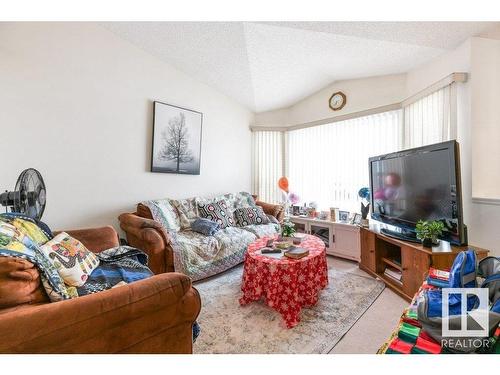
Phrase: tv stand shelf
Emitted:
{"points": [[379, 251], [391, 263]]}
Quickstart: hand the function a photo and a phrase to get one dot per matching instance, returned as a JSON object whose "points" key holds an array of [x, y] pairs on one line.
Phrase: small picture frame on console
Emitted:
{"points": [[344, 216], [356, 219]]}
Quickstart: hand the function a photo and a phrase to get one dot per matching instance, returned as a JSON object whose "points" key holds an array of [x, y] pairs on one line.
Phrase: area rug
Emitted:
{"points": [[227, 327]]}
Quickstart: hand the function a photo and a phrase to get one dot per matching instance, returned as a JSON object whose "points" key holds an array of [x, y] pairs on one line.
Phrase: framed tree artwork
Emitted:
{"points": [[176, 139]]}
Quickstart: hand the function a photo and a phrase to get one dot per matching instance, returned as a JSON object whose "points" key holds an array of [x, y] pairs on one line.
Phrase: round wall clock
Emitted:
{"points": [[337, 101]]}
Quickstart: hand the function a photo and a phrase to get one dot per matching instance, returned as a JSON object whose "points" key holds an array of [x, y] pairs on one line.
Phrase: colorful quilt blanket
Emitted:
{"points": [[22, 236], [117, 265], [200, 256]]}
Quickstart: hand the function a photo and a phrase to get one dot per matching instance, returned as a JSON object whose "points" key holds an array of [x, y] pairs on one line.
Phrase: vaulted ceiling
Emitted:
{"points": [[271, 65]]}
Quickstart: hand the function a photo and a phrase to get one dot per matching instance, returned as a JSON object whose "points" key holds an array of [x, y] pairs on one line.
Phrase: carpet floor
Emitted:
{"points": [[227, 327]]}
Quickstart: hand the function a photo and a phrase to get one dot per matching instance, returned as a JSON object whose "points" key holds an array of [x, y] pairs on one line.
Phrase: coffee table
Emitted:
{"points": [[285, 284]]}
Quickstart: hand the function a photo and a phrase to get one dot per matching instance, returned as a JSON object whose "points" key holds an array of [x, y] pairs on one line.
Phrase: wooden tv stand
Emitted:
{"points": [[412, 259]]}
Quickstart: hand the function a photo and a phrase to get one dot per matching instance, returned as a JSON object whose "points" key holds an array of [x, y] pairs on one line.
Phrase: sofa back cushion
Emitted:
{"points": [[162, 211], [250, 215], [72, 260], [218, 212], [19, 283], [179, 214]]}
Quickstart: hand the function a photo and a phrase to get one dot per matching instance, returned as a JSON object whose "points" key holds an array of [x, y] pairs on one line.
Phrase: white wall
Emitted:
{"points": [[457, 60], [76, 103], [485, 94], [362, 94]]}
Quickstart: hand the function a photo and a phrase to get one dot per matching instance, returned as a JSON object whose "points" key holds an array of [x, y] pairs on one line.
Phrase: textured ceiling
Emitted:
{"points": [[272, 65]]}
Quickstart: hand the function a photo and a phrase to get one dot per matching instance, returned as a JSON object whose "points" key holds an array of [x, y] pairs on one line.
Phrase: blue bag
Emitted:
{"points": [[463, 274]]}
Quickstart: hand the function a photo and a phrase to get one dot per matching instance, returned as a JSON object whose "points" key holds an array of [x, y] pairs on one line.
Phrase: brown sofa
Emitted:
{"points": [[155, 315], [148, 235]]}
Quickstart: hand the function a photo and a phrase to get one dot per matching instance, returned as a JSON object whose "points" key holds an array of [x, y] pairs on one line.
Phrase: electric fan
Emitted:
{"points": [[28, 196]]}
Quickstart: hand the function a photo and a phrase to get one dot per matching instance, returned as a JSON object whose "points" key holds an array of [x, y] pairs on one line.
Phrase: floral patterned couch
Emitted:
{"points": [[162, 228]]}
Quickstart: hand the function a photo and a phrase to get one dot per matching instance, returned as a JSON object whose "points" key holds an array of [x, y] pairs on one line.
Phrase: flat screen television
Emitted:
{"points": [[419, 184]]}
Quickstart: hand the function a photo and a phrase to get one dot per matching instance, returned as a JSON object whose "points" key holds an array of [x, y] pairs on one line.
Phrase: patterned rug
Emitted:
{"points": [[227, 327]]}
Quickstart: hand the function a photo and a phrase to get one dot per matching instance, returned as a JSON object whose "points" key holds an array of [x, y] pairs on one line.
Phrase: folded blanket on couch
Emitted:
{"points": [[119, 264]]}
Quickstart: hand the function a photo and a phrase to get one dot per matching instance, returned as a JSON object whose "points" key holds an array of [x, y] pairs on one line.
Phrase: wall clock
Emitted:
{"points": [[337, 101]]}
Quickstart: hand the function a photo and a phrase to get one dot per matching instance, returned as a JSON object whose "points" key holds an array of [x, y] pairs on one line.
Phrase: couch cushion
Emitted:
{"points": [[71, 258], [263, 230], [250, 215], [162, 211], [218, 212], [234, 240], [200, 256], [19, 283]]}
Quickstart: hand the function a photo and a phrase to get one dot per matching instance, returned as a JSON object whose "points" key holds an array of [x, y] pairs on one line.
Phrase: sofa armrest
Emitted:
{"points": [[275, 210], [153, 315], [96, 239], [149, 236]]}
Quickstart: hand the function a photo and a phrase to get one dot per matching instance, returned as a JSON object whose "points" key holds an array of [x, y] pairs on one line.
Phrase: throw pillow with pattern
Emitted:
{"points": [[71, 259], [205, 226], [218, 212], [250, 215]]}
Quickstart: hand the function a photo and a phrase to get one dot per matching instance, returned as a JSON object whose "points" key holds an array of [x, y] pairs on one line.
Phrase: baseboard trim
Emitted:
{"points": [[489, 201]]}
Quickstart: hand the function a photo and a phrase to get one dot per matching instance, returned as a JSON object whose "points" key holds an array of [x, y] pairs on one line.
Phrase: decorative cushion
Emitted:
{"points": [[70, 258], [205, 226], [19, 283], [218, 212], [250, 215], [162, 211]]}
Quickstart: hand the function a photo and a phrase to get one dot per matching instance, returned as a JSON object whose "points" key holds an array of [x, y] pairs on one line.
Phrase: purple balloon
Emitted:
{"points": [[293, 198]]}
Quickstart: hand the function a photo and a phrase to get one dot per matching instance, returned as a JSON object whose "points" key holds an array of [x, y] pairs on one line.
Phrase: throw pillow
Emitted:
{"points": [[205, 226], [218, 212], [250, 215], [70, 258]]}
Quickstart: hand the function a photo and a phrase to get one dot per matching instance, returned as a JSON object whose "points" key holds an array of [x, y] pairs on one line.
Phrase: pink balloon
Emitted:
{"points": [[293, 198]]}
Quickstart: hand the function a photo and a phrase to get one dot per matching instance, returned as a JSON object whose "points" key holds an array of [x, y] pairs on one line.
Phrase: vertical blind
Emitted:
{"points": [[427, 120], [328, 163], [267, 165]]}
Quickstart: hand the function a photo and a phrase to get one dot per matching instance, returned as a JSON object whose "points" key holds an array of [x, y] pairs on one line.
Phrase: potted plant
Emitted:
{"points": [[287, 228], [429, 231]]}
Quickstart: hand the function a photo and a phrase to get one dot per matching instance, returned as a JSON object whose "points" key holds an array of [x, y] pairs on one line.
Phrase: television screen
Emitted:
{"points": [[418, 184]]}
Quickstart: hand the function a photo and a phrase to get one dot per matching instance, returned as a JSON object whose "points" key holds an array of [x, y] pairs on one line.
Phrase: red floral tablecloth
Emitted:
{"points": [[286, 284]]}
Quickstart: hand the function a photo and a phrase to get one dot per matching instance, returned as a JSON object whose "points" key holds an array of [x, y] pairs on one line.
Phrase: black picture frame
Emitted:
{"points": [[344, 216], [356, 219], [176, 139]]}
